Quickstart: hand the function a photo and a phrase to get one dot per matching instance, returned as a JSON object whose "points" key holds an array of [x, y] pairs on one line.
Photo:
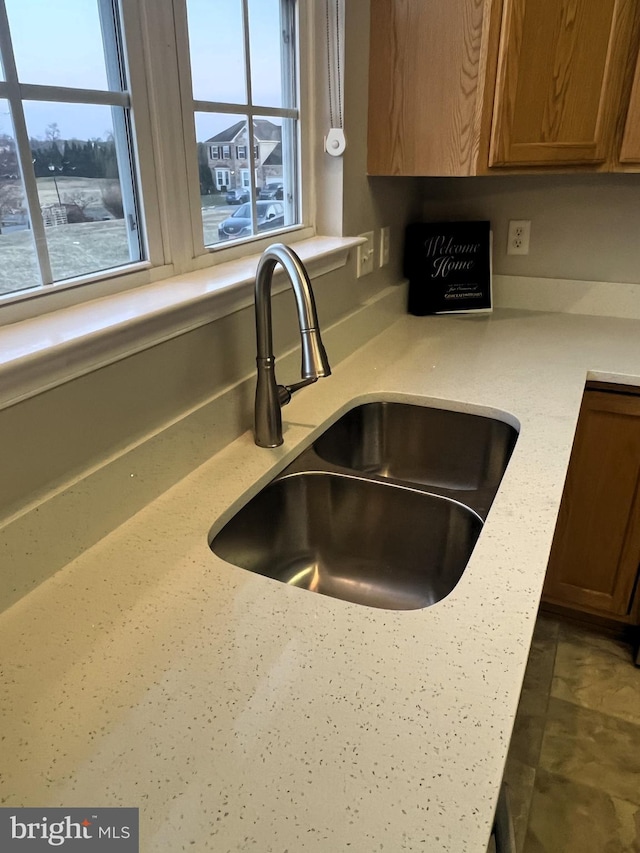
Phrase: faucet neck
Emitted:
{"points": [[299, 280], [268, 419]]}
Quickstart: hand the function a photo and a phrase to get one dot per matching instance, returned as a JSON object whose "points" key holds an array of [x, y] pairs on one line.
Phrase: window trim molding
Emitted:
{"points": [[155, 92], [302, 113], [146, 154], [17, 93]]}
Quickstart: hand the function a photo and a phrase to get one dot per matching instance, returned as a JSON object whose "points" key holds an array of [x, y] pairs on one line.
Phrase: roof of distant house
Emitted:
{"points": [[264, 131], [275, 157]]}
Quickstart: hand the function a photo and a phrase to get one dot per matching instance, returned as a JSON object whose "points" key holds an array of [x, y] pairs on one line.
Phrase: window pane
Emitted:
{"points": [[76, 151], [18, 264], [216, 47], [276, 167], [270, 56], [247, 185], [58, 43], [225, 181]]}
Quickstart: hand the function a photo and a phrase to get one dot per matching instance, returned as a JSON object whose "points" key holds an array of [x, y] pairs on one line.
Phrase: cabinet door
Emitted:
{"points": [[426, 68], [561, 73], [596, 549], [630, 152]]}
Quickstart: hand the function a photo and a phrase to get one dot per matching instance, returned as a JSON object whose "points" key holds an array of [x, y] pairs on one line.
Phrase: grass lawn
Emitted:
{"points": [[74, 250], [213, 200], [70, 189], [82, 248]]}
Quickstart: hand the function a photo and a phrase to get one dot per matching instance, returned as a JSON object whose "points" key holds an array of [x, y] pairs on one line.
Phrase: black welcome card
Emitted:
{"points": [[448, 265]]}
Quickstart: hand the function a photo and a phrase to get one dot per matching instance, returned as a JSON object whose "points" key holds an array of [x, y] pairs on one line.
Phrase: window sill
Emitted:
{"points": [[41, 353]]}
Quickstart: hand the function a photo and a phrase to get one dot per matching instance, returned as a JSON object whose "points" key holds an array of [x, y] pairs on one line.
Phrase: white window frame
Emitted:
{"points": [[23, 304], [141, 243], [303, 114], [156, 47]]}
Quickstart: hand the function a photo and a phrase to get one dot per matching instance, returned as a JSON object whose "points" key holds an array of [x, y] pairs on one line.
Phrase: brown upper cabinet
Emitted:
{"points": [[472, 87], [630, 152]]}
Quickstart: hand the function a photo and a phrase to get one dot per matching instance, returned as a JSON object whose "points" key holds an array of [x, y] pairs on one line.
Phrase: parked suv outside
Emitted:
{"points": [[274, 189], [238, 196]]}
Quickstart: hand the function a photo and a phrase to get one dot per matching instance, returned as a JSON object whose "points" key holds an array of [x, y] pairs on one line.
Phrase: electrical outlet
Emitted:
{"points": [[365, 254], [385, 236], [518, 237]]}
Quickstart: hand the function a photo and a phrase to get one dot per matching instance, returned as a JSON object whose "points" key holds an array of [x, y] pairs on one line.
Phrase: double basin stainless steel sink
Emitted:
{"points": [[383, 510]]}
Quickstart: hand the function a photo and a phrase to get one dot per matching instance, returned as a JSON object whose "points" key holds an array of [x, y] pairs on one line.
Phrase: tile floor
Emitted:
{"points": [[573, 771]]}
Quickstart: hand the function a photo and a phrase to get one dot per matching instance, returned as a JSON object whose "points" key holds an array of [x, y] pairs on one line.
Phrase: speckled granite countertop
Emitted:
{"points": [[240, 714]]}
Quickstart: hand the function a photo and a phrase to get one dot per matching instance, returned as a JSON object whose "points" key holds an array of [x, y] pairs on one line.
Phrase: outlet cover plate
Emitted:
{"points": [[518, 237], [365, 254]]}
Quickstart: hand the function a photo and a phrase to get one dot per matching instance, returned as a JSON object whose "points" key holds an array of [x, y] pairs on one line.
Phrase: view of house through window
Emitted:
{"points": [[67, 198], [248, 180], [70, 176]]}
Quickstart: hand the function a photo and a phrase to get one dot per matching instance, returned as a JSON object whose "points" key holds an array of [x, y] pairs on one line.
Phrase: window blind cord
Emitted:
{"points": [[329, 62], [334, 142], [339, 65]]}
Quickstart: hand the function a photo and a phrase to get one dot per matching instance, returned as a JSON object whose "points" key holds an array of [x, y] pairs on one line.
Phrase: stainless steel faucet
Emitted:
{"points": [[270, 397]]}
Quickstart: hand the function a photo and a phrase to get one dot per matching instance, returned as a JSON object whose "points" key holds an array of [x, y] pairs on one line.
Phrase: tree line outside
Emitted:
{"points": [[56, 158]]}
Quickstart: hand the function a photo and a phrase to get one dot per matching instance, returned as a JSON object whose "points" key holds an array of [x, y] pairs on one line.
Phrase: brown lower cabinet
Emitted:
{"points": [[593, 567]]}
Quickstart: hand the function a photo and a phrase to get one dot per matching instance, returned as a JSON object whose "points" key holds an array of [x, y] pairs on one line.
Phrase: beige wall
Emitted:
{"points": [[369, 202], [583, 227], [53, 438]]}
